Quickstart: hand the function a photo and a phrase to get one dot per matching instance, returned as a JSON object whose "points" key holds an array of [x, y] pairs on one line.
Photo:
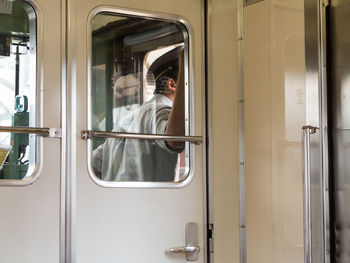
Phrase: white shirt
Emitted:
{"points": [[139, 160]]}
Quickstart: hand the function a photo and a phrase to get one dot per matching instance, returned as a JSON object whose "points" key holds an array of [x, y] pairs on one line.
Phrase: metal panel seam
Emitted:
{"points": [[71, 132], [241, 132], [64, 132]]}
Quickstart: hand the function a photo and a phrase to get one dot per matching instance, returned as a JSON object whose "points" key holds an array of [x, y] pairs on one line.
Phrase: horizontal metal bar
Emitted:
{"points": [[44, 132], [86, 134]]}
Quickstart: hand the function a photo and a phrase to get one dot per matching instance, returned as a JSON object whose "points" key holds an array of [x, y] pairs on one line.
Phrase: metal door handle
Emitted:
{"points": [[191, 250], [44, 132], [184, 249], [306, 131]]}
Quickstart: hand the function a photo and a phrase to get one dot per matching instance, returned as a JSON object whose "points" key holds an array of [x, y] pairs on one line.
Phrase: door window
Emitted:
{"points": [[18, 88], [139, 87]]}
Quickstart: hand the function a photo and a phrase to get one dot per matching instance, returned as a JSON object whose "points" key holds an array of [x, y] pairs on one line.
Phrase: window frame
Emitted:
{"points": [[36, 28], [189, 100]]}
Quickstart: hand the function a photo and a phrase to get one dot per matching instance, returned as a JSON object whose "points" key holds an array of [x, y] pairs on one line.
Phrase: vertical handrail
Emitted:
{"points": [[306, 131]]}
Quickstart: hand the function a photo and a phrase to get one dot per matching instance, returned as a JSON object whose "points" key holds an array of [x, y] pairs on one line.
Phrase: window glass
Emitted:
{"points": [[138, 86], [18, 88]]}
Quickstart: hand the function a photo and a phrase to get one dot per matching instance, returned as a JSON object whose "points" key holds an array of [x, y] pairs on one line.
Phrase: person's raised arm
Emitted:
{"points": [[176, 122]]}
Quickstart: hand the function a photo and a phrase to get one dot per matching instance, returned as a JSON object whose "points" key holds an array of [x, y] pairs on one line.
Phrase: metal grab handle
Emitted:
{"points": [[306, 131], [87, 134], [191, 250], [44, 132], [184, 249]]}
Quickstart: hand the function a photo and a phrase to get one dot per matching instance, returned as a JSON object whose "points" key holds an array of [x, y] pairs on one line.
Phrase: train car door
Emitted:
{"points": [[30, 108], [138, 214]]}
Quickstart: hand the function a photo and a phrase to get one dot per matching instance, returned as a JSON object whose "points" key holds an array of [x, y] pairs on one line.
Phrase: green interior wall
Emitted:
{"points": [[16, 23]]}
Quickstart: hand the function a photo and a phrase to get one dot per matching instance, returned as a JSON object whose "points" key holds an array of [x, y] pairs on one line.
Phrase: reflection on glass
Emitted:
{"points": [[278, 104], [17, 85], [138, 87], [294, 87], [288, 115]]}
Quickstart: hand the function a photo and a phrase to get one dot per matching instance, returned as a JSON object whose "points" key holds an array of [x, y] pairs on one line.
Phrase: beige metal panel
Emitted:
{"points": [[275, 112], [258, 130], [30, 218], [136, 225], [222, 96]]}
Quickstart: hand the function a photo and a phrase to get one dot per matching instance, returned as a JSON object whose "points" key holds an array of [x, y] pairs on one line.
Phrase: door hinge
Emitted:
{"points": [[210, 235], [325, 3]]}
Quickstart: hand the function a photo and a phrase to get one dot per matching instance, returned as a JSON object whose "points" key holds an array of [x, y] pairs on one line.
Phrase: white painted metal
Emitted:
{"points": [[223, 129], [133, 224], [30, 215], [276, 107]]}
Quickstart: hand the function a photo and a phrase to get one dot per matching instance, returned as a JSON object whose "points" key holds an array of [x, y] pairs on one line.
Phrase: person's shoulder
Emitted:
{"points": [[162, 101]]}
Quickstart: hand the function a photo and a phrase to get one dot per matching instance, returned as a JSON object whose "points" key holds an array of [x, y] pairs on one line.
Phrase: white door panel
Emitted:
{"points": [[112, 224], [137, 225], [30, 214]]}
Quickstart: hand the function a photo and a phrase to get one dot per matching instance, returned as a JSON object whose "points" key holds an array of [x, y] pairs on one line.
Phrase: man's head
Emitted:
{"points": [[126, 86], [165, 71]]}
